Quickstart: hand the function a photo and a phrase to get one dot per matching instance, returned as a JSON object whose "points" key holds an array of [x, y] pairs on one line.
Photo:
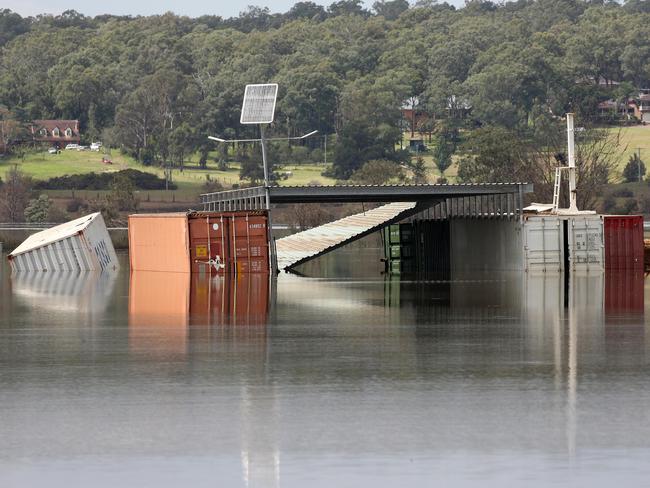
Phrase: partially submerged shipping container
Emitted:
{"points": [[563, 243], [82, 244], [200, 242], [623, 242]]}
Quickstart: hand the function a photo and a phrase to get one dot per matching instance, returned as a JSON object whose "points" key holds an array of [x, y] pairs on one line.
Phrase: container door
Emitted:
{"points": [[249, 243], [208, 234], [543, 244], [586, 247]]}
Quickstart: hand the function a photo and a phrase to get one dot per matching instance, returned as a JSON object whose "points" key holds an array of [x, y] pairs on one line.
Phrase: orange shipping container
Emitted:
{"points": [[184, 242]]}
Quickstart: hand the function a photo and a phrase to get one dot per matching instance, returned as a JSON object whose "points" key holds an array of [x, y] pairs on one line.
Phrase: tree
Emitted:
{"points": [[497, 155], [10, 129], [446, 142], [377, 172], [251, 170], [634, 169], [122, 193], [419, 171], [38, 209], [306, 10], [14, 195], [390, 9], [347, 7]]}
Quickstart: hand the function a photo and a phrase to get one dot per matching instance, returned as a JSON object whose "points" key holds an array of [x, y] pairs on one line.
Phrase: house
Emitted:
{"points": [[642, 106], [56, 133]]}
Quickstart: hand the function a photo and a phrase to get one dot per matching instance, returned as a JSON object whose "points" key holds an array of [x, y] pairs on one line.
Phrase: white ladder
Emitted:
{"points": [[556, 188]]}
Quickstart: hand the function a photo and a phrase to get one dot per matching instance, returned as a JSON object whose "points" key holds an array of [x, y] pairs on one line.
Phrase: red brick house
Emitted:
{"points": [[56, 133]]}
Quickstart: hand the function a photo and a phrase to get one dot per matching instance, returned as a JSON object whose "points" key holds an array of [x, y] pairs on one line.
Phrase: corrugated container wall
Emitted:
{"points": [[200, 242], [623, 241], [561, 243], [159, 242], [82, 244]]}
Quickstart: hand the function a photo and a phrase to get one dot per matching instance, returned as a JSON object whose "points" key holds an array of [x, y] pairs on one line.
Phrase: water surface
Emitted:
{"points": [[347, 378]]}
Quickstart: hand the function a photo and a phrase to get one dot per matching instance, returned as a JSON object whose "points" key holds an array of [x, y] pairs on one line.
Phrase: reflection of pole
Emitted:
{"points": [[267, 195], [638, 161], [572, 374], [325, 149]]}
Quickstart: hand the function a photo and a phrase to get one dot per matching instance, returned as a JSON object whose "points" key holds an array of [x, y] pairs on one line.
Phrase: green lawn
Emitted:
{"points": [[633, 138], [190, 181]]}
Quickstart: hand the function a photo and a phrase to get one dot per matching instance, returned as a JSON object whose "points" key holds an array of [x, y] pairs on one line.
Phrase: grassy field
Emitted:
{"points": [[41, 165], [632, 139]]}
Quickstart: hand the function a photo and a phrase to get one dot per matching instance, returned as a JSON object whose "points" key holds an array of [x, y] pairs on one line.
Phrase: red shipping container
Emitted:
{"points": [[623, 242]]}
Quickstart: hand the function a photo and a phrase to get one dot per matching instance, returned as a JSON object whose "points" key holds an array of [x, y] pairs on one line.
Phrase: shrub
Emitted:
{"points": [[74, 205], [634, 169], [622, 193], [38, 209], [102, 181]]}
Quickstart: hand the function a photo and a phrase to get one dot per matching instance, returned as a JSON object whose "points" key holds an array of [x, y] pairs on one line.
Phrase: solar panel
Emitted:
{"points": [[259, 104]]}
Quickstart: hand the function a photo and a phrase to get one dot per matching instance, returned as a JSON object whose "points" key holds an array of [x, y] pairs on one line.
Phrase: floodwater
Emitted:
{"points": [[349, 379]]}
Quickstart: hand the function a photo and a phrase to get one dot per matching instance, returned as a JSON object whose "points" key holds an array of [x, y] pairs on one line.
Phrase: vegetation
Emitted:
{"points": [[490, 82], [634, 169], [38, 209], [102, 181]]}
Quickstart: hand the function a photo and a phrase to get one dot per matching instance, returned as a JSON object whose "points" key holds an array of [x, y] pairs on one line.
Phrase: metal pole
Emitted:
{"points": [[639, 161], [267, 195], [265, 164], [573, 207]]}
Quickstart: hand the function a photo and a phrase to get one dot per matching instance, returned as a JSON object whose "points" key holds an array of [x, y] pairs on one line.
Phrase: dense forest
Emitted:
{"points": [[156, 86]]}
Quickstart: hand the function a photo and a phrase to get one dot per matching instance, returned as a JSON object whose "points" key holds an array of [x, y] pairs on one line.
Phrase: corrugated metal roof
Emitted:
{"points": [[54, 234], [303, 246]]}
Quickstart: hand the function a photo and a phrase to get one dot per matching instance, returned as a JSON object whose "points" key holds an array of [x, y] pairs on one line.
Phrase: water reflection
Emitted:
{"points": [[167, 310], [84, 295], [364, 381]]}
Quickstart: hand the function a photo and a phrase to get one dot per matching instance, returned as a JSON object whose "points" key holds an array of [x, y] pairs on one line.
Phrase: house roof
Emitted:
{"points": [[50, 125]]}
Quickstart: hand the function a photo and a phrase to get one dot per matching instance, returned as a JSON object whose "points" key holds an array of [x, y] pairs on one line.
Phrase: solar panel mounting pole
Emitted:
{"points": [[267, 184], [259, 108]]}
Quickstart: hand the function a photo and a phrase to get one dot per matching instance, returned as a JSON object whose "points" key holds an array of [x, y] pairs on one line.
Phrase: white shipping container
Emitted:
{"points": [[82, 244], [551, 243], [543, 244], [586, 243]]}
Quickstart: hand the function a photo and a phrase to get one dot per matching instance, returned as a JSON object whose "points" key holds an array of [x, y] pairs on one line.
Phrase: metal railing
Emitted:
{"points": [[232, 200]]}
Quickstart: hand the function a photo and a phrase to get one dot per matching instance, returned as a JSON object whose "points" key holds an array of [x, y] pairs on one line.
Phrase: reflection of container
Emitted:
{"points": [[178, 299], [82, 244], [623, 241], [624, 291], [200, 242], [84, 294]]}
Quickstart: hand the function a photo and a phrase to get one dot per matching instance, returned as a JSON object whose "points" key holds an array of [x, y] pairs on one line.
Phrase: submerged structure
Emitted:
{"points": [[82, 244]]}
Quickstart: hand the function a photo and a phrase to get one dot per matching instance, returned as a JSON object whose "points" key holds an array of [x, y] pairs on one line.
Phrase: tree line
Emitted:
{"points": [[155, 86]]}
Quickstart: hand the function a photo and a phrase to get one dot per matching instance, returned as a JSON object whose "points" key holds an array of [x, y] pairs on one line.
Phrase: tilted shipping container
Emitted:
{"points": [[82, 244]]}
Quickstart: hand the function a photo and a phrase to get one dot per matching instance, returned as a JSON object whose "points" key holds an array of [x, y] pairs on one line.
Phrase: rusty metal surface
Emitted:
{"points": [[303, 246]]}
